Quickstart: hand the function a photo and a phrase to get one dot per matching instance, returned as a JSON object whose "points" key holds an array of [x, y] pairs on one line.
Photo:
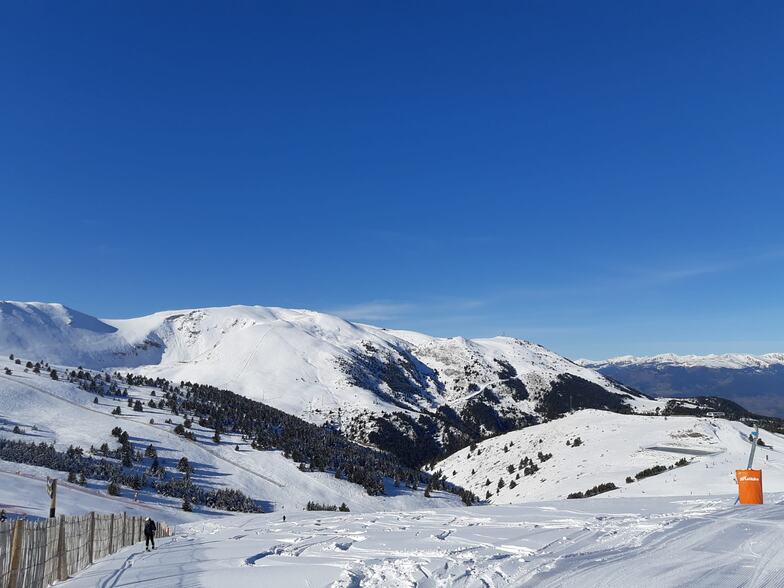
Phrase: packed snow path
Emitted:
{"points": [[594, 542]]}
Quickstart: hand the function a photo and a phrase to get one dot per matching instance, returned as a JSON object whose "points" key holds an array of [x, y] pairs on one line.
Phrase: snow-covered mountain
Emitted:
{"points": [[433, 391], [754, 381], [677, 513]]}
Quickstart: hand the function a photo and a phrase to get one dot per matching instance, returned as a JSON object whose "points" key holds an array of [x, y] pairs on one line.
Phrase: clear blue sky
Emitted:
{"points": [[602, 178]]}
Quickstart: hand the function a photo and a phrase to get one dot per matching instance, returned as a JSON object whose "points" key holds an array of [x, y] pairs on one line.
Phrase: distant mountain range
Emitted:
{"points": [[754, 381]]}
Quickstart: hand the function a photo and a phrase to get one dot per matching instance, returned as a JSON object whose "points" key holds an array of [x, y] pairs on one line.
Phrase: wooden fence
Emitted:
{"points": [[37, 554]]}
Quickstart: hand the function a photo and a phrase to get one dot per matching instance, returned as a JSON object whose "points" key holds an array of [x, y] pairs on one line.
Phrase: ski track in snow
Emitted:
{"points": [[598, 542]]}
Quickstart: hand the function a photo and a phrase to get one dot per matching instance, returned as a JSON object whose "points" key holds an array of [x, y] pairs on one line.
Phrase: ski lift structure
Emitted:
{"points": [[750, 480]]}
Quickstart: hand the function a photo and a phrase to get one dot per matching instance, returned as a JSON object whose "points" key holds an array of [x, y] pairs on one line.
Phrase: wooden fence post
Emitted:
{"points": [[62, 571], [91, 544], [124, 528], [16, 552], [111, 533], [51, 488]]}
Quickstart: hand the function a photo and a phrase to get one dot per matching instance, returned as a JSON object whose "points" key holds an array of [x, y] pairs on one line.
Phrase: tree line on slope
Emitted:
{"points": [[322, 448], [81, 466]]}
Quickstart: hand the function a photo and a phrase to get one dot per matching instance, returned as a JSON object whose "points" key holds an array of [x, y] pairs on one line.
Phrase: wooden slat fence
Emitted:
{"points": [[37, 554]]}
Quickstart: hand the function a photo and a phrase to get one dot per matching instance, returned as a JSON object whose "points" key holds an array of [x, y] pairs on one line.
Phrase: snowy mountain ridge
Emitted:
{"points": [[724, 360]]}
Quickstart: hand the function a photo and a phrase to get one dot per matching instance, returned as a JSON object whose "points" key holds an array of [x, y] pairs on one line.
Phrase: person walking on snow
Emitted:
{"points": [[149, 533]]}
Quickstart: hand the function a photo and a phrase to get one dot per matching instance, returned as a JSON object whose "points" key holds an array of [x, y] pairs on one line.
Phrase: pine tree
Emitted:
{"points": [[183, 465]]}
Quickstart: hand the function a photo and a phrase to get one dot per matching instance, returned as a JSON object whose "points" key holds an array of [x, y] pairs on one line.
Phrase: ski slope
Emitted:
{"points": [[66, 415], [689, 541], [613, 447]]}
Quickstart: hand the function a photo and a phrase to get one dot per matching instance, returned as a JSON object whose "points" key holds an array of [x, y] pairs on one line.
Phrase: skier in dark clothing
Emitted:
{"points": [[149, 533]]}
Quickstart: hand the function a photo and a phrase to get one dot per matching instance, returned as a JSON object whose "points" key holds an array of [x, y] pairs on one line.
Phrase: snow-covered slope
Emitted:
{"points": [[686, 541], [321, 367], [613, 447], [754, 381], [61, 413]]}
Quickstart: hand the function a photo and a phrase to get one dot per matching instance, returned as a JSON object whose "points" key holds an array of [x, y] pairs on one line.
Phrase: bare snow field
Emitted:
{"points": [[694, 541]]}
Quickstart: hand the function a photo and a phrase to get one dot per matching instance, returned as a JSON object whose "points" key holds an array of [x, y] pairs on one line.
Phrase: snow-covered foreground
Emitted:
{"points": [[596, 542]]}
